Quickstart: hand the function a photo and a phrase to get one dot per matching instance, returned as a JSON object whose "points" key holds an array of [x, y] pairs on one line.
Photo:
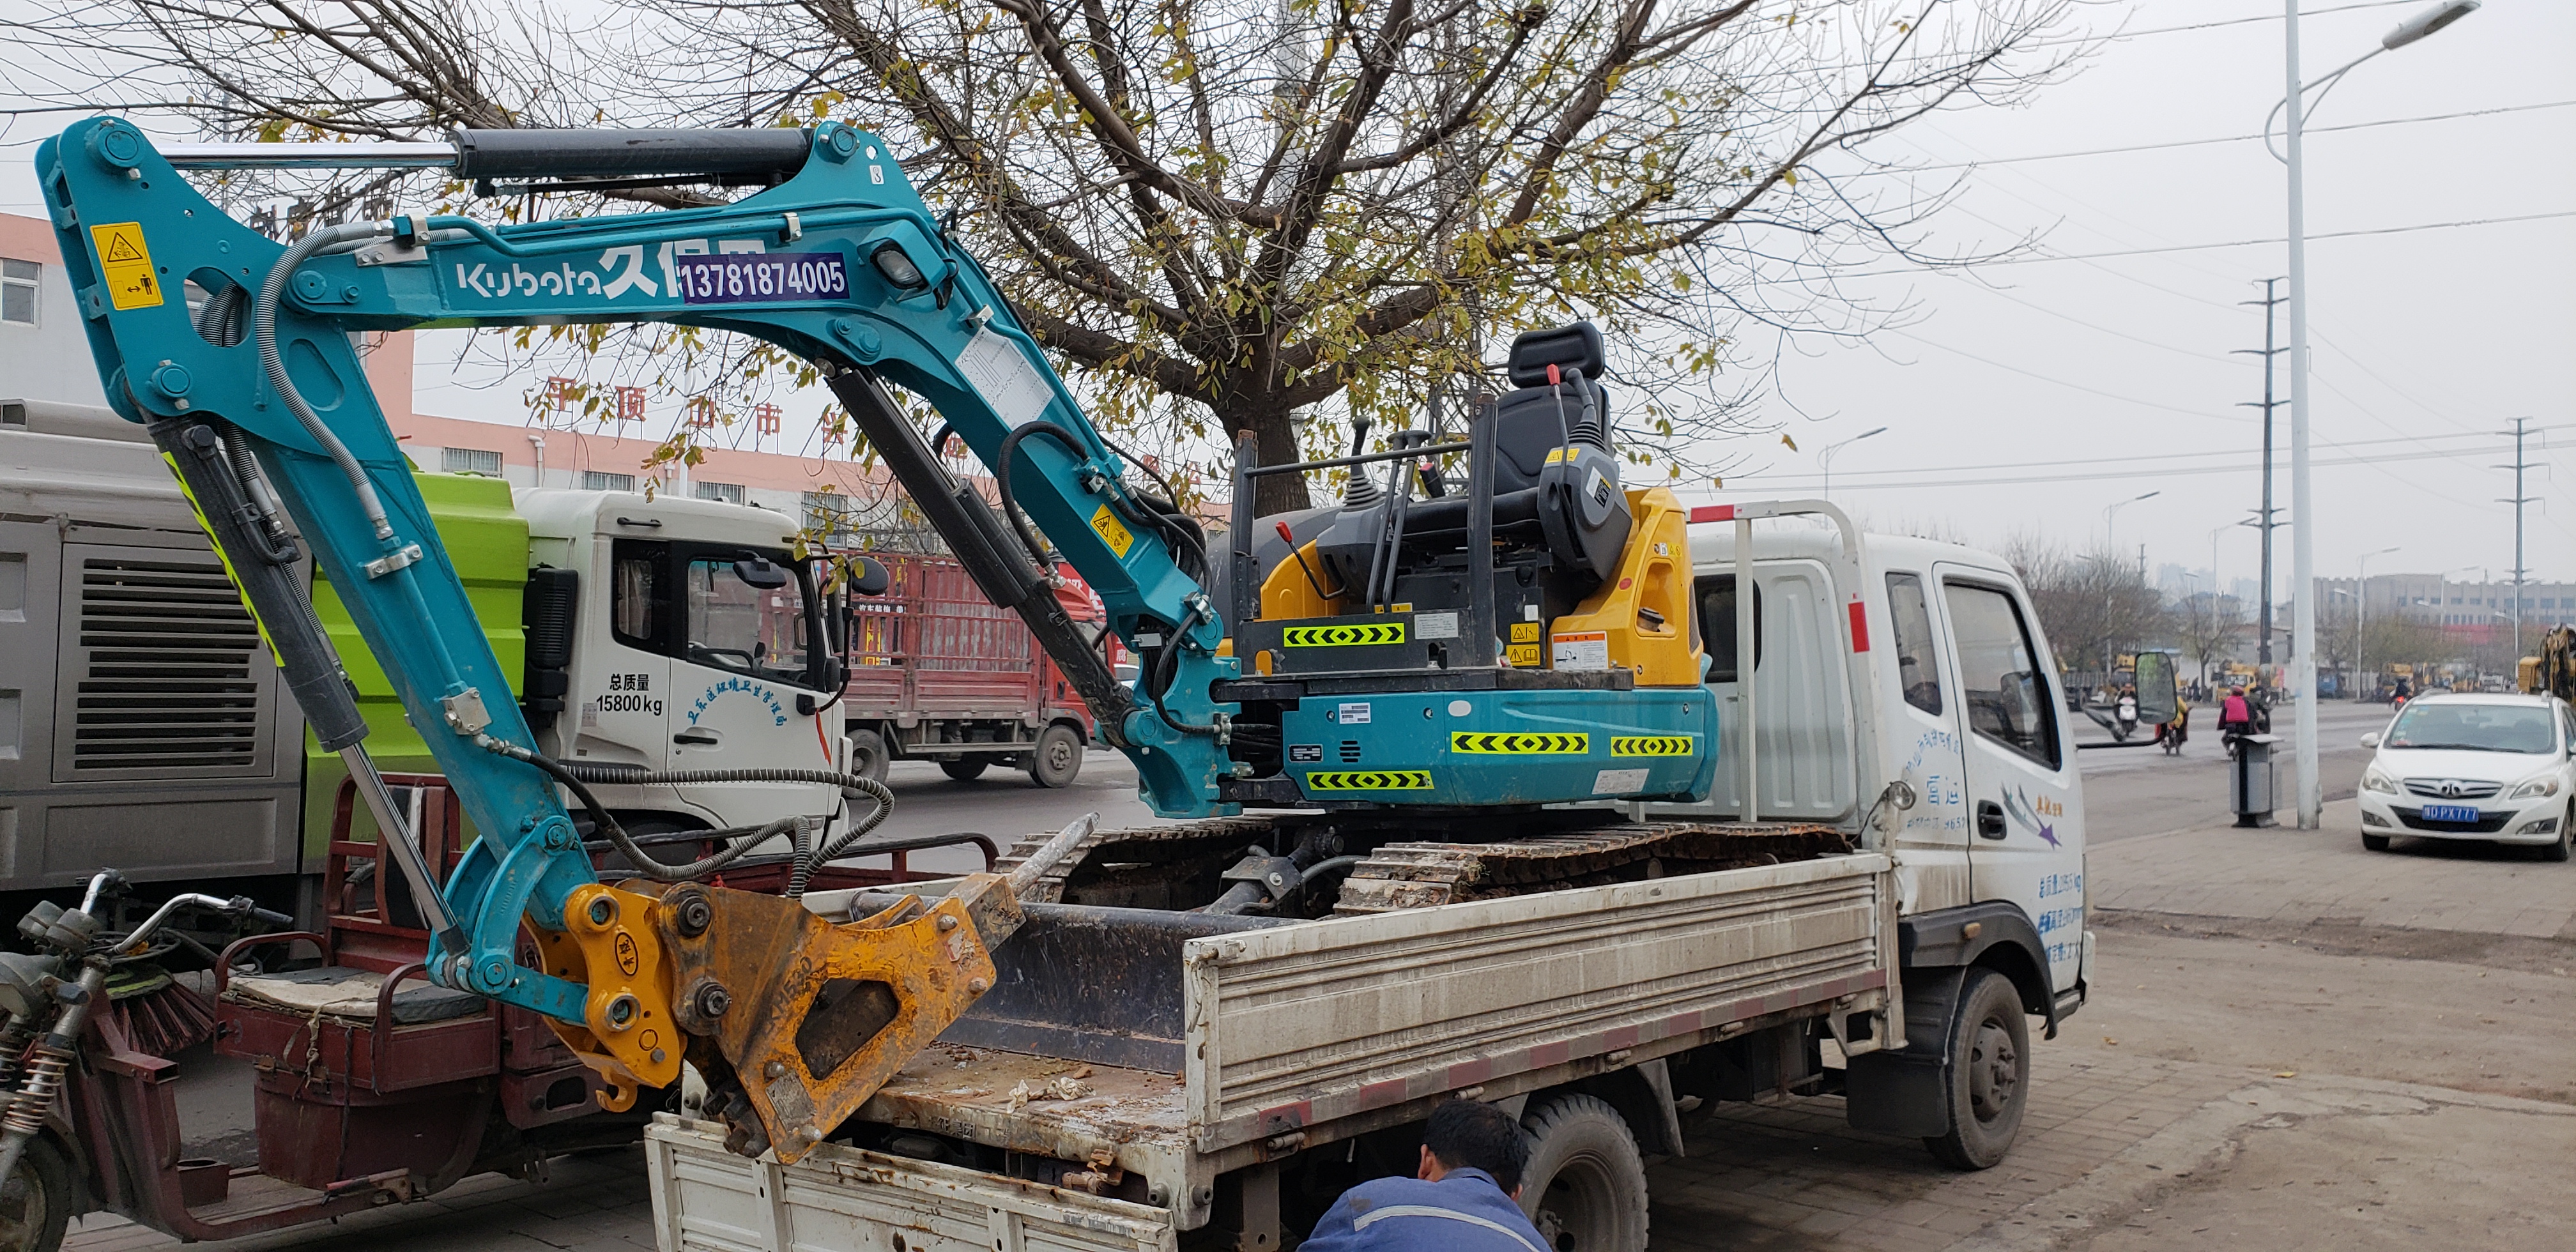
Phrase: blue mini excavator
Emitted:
{"points": [[1428, 654]]}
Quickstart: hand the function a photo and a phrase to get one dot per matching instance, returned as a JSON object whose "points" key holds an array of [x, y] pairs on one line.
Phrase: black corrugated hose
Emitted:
{"points": [[576, 778]]}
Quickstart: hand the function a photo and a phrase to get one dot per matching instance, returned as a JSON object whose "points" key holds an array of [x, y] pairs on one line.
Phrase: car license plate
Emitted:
{"points": [[2450, 812]]}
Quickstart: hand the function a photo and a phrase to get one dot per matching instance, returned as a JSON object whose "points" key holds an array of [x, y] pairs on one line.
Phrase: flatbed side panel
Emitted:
{"points": [[838, 1199], [1304, 1024]]}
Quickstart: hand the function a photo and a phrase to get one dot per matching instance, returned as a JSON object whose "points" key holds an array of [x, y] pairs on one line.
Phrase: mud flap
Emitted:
{"points": [[1907, 1091]]}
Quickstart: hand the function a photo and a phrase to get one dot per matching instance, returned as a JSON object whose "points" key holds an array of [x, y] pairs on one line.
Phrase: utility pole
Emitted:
{"points": [[2517, 500], [2263, 516]]}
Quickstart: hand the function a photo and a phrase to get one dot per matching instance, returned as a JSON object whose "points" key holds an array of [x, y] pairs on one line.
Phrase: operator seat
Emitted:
{"points": [[1556, 483]]}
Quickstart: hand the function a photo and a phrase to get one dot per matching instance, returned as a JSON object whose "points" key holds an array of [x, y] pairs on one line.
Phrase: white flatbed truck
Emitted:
{"points": [[1906, 894]]}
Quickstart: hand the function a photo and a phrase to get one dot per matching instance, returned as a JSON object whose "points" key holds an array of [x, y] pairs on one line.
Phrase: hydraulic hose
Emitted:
{"points": [[808, 859], [576, 779], [263, 320]]}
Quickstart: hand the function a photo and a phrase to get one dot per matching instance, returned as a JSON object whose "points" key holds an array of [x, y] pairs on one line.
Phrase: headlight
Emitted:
{"points": [[2373, 780], [2545, 785]]}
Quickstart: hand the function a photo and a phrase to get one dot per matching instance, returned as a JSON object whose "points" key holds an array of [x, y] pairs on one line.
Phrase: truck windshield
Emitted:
{"points": [[734, 625], [2521, 728]]}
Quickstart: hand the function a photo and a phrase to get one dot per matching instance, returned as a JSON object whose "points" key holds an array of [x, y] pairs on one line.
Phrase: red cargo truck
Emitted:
{"points": [[939, 673]]}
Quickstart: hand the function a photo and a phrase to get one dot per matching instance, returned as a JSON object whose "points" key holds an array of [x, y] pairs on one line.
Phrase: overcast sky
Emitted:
{"points": [[2027, 397]]}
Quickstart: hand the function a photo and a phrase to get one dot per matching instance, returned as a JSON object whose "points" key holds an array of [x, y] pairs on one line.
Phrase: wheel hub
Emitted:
{"points": [[1994, 1071]]}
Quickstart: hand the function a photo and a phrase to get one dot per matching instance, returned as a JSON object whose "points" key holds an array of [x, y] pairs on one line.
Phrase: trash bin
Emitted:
{"points": [[2249, 788]]}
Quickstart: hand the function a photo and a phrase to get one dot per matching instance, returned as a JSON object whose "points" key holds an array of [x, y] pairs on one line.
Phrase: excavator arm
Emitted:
{"points": [[236, 352]]}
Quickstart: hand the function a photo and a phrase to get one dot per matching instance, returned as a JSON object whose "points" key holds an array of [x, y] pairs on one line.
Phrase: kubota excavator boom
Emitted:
{"points": [[1523, 643]]}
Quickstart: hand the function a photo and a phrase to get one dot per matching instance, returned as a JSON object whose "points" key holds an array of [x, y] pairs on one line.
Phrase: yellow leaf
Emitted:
{"points": [[1790, 176], [1792, 443]]}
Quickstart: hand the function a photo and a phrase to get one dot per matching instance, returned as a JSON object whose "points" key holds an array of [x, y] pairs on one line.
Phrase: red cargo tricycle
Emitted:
{"points": [[374, 1085]]}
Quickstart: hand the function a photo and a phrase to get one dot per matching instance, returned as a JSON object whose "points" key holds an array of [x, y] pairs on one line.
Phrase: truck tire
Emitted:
{"points": [[868, 756], [1988, 1069], [36, 1202], [964, 768], [1058, 758], [1585, 1184]]}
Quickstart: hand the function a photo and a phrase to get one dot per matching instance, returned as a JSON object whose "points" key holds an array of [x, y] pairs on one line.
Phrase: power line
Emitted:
{"points": [[2233, 243], [2232, 21], [2197, 143], [2107, 395], [2139, 458], [2098, 475]]}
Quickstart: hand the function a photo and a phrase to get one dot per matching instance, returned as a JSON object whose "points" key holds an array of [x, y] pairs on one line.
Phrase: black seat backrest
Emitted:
{"points": [[1570, 347], [1528, 423]]}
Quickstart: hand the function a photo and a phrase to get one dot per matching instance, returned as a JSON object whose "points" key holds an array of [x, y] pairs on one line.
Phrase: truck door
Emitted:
{"points": [[745, 654], [624, 695], [2025, 808], [1923, 736]]}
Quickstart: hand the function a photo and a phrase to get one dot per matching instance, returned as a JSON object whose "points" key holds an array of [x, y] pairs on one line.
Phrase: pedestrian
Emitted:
{"points": [[1464, 1197], [2235, 717]]}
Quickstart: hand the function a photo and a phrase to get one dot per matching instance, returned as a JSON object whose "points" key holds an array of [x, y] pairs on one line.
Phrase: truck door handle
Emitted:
{"points": [[701, 737], [1990, 820]]}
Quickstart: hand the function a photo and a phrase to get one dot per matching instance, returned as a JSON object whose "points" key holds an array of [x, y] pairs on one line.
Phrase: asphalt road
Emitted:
{"points": [[1004, 805], [2140, 791], [2127, 791]]}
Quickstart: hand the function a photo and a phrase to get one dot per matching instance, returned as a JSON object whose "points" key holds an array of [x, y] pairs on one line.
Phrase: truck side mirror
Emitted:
{"points": [[759, 571], [868, 576]]}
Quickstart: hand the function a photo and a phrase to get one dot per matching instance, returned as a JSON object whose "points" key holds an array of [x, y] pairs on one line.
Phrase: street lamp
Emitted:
{"points": [[2361, 610], [1825, 459], [2303, 661], [2110, 515]]}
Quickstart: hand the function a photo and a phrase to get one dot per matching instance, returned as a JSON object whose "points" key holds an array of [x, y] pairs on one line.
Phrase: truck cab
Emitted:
{"points": [[677, 634], [1959, 705]]}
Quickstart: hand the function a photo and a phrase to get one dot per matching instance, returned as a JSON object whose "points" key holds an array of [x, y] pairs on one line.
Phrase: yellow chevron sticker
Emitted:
{"points": [[1343, 636], [1485, 743], [1653, 745], [1369, 780]]}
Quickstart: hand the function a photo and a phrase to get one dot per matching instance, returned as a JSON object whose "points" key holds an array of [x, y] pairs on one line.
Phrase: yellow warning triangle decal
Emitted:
{"points": [[120, 249]]}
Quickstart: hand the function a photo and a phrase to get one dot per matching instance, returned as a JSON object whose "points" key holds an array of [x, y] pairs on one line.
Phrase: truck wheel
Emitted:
{"points": [[36, 1202], [868, 758], [964, 768], [1058, 758], [1988, 1063], [2373, 843], [1585, 1184]]}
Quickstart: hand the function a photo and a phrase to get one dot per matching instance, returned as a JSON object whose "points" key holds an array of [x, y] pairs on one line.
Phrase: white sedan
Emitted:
{"points": [[2493, 767]]}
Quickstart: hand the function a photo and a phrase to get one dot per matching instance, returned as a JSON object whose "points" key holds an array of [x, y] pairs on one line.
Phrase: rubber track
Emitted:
{"points": [[1409, 875]]}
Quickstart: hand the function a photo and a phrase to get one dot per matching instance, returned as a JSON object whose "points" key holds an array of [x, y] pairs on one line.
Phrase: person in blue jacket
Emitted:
{"points": [[1464, 1198]]}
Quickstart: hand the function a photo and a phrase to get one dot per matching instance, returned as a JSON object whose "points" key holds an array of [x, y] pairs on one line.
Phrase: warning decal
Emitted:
{"points": [[1653, 745], [1342, 636], [1369, 780], [1111, 532], [125, 265], [1587, 650], [1485, 743]]}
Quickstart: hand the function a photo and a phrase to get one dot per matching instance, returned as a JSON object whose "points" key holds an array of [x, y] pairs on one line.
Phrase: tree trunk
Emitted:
{"points": [[1275, 433]]}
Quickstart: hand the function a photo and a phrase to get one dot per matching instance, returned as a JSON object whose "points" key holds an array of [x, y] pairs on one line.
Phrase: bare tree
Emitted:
{"points": [[2094, 606], [1222, 214], [2211, 626]]}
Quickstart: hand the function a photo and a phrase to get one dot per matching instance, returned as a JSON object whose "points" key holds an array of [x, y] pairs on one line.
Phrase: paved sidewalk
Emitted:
{"points": [[2283, 874], [2199, 1124], [595, 1202], [1794, 1176]]}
